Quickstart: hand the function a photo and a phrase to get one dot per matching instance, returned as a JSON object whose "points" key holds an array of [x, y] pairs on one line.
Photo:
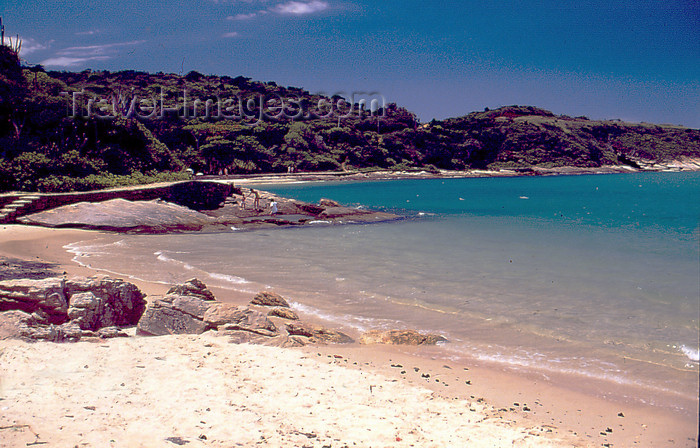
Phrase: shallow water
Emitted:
{"points": [[588, 277]]}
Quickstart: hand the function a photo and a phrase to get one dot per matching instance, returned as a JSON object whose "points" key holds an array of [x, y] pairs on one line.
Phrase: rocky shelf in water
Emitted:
{"points": [[234, 212]]}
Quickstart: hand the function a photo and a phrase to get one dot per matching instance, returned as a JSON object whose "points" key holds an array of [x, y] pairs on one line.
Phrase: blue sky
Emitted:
{"points": [[633, 60]]}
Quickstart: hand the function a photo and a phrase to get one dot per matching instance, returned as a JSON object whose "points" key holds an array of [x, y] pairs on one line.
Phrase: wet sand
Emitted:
{"points": [[514, 408]]}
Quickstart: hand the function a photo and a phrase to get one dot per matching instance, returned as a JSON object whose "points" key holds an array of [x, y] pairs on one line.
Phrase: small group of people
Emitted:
{"points": [[255, 196]]}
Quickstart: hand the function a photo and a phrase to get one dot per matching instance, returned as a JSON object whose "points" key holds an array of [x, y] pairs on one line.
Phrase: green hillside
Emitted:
{"points": [[135, 127]]}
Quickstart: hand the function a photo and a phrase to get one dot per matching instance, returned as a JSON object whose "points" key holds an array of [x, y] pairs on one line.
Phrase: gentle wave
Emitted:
{"points": [[160, 256], [692, 353], [227, 278]]}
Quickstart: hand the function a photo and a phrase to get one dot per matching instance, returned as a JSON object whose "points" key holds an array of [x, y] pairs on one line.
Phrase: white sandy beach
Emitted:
{"points": [[138, 392]]}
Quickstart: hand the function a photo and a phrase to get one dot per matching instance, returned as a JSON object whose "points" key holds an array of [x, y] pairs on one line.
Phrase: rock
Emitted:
{"points": [[265, 298], [120, 215], [299, 329], [231, 317], [85, 309], [181, 311], [193, 287], [310, 208], [111, 332], [400, 337], [198, 195], [284, 313], [43, 296], [318, 334], [11, 323], [159, 321], [174, 314], [101, 301], [194, 306], [328, 203], [53, 333]]}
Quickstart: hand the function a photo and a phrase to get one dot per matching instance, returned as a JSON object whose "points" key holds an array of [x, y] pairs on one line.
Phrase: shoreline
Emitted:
{"points": [[675, 166], [569, 413]]}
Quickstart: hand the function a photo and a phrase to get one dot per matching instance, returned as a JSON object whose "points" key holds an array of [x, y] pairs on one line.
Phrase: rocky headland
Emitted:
{"points": [[194, 206]]}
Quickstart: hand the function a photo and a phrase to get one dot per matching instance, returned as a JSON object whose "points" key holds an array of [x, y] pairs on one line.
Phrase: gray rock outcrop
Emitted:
{"points": [[175, 314], [100, 301], [55, 309], [46, 296]]}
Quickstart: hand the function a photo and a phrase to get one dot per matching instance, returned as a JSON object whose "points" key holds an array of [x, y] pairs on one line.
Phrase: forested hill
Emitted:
{"points": [[94, 129]]}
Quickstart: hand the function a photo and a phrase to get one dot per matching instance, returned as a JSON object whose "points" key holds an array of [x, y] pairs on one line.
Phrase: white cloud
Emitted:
{"points": [[72, 56], [231, 34], [30, 45], [64, 61], [242, 16], [87, 33], [300, 8], [96, 50]]}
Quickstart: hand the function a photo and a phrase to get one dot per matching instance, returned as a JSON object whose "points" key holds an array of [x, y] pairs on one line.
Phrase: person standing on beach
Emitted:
{"points": [[256, 199], [273, 207]]}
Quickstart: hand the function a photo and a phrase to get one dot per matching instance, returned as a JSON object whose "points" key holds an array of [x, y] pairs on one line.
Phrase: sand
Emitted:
{"points": [[146, 390]]}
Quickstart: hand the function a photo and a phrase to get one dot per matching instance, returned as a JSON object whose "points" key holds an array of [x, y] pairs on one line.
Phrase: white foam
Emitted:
{"points": [[692, 353], [228, 278], [160, 256]]}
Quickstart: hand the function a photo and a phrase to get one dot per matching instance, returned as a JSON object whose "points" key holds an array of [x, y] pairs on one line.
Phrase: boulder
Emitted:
{"points": [[318, 334], [328, 203], [101, 301], [175, 314], [400, 337], [265, 298], [12, 322], [111, 332], [231, 317], [284, 313], [193, 287], [45, 296]]}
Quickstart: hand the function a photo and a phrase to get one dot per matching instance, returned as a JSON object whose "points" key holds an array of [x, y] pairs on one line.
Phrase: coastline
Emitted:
{"points": [[579, 418]]}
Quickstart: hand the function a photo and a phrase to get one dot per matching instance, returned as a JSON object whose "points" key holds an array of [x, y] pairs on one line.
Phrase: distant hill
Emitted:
{"points": [[43, 148]]}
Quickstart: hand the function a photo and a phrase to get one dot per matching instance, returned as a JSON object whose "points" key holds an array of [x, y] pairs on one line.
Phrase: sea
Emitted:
{"points": [[590, 280]]}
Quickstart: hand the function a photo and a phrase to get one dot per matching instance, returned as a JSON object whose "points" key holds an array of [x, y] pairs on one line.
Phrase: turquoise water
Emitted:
{"points": [[595, 278]]}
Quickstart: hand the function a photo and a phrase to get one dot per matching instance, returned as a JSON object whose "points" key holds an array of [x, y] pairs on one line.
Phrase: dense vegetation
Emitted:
{"points": [[134, 127]]}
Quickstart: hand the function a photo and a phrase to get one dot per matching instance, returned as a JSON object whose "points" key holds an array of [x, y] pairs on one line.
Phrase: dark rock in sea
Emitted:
{"points": [[265, 298], [193, 287], [45, 296], [199, 195], [284, 313], [310, 208], [400, 337], [328, 203], [101, 301]]}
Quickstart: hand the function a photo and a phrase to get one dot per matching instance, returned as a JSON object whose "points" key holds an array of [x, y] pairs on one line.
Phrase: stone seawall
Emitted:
{"points": [[199, 195]]}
